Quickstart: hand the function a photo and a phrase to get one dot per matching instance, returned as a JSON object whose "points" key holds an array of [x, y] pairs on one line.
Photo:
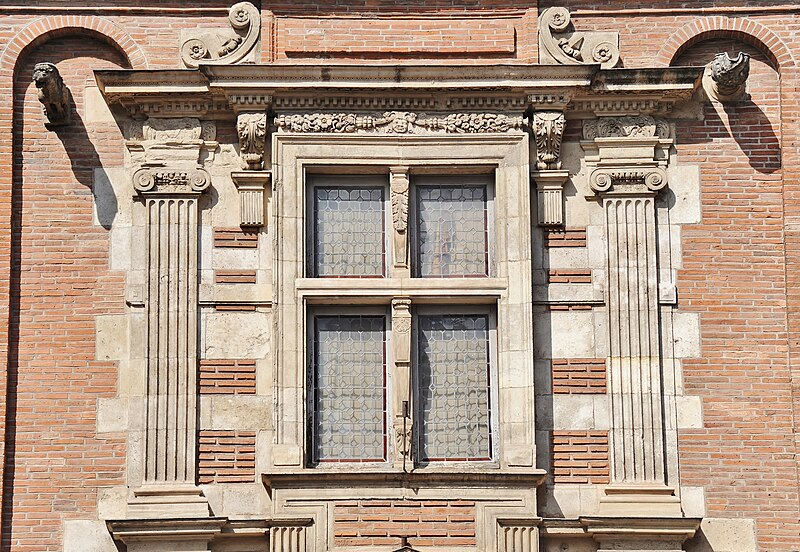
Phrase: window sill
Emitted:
{"points": [[413, 287], [418, 478]]}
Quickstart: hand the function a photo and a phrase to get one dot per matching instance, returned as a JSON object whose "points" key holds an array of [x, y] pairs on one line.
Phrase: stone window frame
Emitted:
{"points": [[295, 155]]}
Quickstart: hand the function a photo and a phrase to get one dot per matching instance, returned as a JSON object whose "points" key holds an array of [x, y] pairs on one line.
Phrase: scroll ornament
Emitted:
{"points": [[252, 130], [651, 179], [560, 44], [147, 179], [398, 122], [228, 46], [53, 94]]}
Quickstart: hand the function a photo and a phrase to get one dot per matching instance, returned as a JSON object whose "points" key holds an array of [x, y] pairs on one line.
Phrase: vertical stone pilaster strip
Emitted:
{"points": [[171, 304], [399, 184], [634, 364], [401, 376]]}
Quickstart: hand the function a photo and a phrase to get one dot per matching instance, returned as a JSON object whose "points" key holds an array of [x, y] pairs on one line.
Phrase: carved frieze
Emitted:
{"points": [[225, 46], [166, 181], [561, 44], [252, 130], [548, 129], [638, 126], [399, 122], [53, 94], [725, 78]]}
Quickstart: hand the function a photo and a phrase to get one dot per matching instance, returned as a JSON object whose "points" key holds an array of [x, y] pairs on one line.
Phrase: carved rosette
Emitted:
{"points": [[228, 46], [725, 78], [638, 126], [560, 44], [399, 122], [252, 130], [53, 95], [161, 181]]}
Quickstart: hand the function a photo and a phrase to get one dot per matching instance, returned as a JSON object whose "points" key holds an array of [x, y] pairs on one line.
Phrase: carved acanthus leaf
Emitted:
{"points": [[548, 129], [399, 189], [53, 94], [398, 122], [559, 43], [252, 130], [639, 126], [228, 46]]}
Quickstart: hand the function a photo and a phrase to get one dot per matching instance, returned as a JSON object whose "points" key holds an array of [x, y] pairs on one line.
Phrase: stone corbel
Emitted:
{"points": [[252, 130], [225, 47], [560, 44], [53, 95], [399, 184], [725, 78], [548, 129], [252, 186], [401, 347]]}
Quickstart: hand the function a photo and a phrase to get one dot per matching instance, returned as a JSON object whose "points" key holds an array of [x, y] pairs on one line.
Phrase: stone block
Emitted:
{"points": [[686, 334], [112, 197], [243, 412], [690, 412], [237, 334], [683, 194], [112, 502], [111, 331], [573, 412], [87, 536], [724, 535], [570, 334], [693, 501], [112, 415]]}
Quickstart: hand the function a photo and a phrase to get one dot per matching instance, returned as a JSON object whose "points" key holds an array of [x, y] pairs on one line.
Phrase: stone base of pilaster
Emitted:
{"points": [[168, 501], [640, 501]]}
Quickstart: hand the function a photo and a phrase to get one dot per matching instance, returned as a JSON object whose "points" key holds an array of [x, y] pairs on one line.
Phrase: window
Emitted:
{"points": [[348, 383], [449, 346]]}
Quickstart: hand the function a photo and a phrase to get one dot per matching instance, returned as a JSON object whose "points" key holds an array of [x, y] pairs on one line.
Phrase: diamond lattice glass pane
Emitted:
{"points": [[348, 231], [349, 388], [452, 231], [453, 381]]}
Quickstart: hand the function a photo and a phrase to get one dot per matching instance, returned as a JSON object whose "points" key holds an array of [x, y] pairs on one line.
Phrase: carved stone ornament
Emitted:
{"points": [[560, 44], [645, 179], [228, 46], [548, 128], [252, 130], [165, 181], [398, 122], [53, 94], [637, 126], [725, 78], [403, 439]]}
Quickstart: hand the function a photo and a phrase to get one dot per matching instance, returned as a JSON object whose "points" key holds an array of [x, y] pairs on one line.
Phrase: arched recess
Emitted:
{"points": [[33, 35], [746, 30]]}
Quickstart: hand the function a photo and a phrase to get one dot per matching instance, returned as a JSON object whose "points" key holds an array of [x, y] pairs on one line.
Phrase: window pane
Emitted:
{"points": [[349, 388], [453, 382], [348, 231], [451, 231]]}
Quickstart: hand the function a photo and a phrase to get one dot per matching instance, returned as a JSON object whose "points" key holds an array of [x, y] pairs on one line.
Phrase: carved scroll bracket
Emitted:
{"points": [[401, 342], [399, 184], [251, 186], [53, 95], [228, 46], [252, 130], [725, 78], [561, 44]]}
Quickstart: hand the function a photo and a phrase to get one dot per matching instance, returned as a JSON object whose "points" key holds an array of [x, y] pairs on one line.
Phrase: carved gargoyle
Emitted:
{"points": [[725, 78], [53, 94]]}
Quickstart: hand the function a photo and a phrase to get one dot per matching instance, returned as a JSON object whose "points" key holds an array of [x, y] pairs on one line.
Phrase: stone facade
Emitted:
{"points": [[625, 277]]}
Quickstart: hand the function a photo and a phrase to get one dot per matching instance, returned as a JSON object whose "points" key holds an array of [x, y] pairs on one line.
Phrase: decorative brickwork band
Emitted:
{"points": [[568, 237], [569, 276], [580, 457], [235, 377], [579, 376], [234, 276], [234, 237], [227, 457]]}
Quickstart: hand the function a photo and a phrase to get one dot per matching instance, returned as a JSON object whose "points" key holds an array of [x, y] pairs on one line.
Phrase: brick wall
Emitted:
{"points": [[226, 456], [565, 237], [235, 237], [580, 457], [385, 522]]}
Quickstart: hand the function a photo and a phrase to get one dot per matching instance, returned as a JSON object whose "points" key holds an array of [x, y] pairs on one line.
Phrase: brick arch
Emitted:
{"points": [[746, 30], [47, 28]]}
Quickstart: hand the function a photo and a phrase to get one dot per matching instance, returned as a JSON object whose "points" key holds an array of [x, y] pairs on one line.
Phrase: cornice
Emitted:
{"points": [[223, 90]]}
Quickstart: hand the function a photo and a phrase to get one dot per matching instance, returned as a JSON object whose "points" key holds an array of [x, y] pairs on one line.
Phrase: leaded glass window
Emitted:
{"points": [[349, 388], [452, 231], [453, 387], [348, 232]]}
